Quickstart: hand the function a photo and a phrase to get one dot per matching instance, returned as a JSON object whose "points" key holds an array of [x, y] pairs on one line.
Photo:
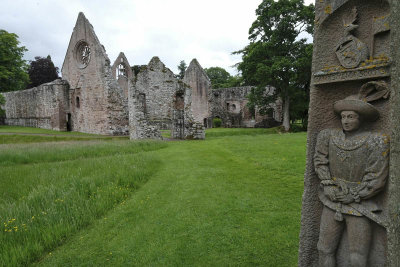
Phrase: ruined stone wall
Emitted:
{"points": [[122, 72], [139, 126], [45, 106], [230, 105], [184, 124], [98, 103], [159, 85], [197, 79], [158, 100]]}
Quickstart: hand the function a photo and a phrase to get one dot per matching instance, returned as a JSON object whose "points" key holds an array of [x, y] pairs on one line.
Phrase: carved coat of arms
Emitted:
{"points": [[351, 51]]}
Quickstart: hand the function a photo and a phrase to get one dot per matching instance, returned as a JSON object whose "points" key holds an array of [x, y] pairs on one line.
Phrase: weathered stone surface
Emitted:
{"points": [[139, 126], [122, 72], [97, 98], [158, 83], [98, 104], [184, 125], [197, 79], [164, 102], [45, 106], [230, 105], [334, 80]]}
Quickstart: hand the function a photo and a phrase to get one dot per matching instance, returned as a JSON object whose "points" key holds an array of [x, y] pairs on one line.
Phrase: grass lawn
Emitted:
{"points": [[32, 130], [20, 135], [232, 199]]}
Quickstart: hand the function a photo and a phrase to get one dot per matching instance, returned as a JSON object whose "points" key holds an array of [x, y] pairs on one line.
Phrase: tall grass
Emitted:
{"points": [[22, 139], [24, 154], [61, 189], [219, 132], [232, 201], [32, 130]]}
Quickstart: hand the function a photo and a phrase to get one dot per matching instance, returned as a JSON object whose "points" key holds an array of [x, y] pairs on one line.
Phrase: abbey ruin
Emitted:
{"points": [[96, 97]]}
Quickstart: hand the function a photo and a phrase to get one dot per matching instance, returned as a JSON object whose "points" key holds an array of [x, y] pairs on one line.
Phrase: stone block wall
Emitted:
{"points": [[197, 79], [98, 103], [122, 72], [158, 83], [45, 106], [230, 105], [139, 126], [158, 100], [184, 124]]}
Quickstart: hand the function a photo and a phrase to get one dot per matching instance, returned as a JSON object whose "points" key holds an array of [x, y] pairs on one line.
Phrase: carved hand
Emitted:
{"points": [[329, 191], [344, 198]]}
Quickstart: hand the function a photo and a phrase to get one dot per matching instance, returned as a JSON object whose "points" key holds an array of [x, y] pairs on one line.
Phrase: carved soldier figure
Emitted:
{"points": [[352, 164]]}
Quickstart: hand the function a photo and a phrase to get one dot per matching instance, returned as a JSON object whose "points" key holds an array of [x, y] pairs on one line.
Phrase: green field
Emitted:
{"points": [[233, 199], [21, 135]]}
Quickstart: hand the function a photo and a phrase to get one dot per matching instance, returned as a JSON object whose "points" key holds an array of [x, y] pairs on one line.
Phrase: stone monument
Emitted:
{"points": [[350, 214]]}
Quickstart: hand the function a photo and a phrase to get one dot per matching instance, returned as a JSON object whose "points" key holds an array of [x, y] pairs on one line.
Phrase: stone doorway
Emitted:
{"points": [[69, 124], [178, 124]]}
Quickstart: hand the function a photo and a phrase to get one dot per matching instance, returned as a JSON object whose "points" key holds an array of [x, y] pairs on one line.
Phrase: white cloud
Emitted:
{"points": [[174, 30]]}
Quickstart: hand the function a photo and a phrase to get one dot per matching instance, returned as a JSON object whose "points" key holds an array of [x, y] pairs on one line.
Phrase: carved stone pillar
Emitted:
{"points": [[355, 62]]}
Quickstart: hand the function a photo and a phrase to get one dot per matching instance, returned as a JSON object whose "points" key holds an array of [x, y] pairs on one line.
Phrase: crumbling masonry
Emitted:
{"points": [[95, 97]]}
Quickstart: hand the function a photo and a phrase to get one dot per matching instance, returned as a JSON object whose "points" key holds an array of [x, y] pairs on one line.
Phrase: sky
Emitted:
{"points": [[173, 30]]}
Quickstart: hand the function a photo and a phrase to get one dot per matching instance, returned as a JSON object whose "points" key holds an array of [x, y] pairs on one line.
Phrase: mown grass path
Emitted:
{"points": [[224, 201]]}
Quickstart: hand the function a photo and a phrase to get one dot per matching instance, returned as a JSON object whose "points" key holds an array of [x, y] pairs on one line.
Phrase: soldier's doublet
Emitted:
{"points": [[359, 162]]}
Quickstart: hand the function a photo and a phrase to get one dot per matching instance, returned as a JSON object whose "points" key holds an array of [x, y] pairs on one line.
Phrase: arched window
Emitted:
{"points": [[82, 54], [121, 70]]}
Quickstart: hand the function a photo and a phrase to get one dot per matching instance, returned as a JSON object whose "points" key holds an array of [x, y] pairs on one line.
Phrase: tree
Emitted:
{"points": [[42, 70], [13, 68], [220, 78], [2, 102], [276, 55], [182, 68]]}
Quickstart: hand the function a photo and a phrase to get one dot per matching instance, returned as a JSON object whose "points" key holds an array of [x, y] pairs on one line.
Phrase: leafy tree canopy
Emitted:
{"points": [[42, 70], [276, 56], [2, 102], [182, 68], [220, 78], [13, 75]]}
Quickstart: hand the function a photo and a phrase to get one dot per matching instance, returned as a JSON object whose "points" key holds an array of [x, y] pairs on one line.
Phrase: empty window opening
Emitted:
{"points": [[77, 102], [270, 112], [179, 101], [142, 102], [121, 70]]}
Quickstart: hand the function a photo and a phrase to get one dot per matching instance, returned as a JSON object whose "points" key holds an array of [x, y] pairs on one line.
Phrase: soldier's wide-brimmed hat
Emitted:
{"points": [[369, 92], [353, 103]]}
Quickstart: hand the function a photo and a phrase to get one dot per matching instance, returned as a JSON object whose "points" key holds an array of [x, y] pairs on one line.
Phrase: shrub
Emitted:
{"points": [[217, 122]]}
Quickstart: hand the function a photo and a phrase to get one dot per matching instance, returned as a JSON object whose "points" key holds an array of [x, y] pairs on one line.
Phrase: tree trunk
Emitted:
{"points": [[286, 116]]}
